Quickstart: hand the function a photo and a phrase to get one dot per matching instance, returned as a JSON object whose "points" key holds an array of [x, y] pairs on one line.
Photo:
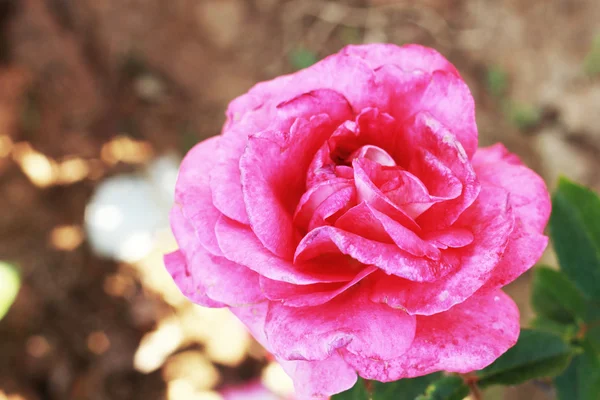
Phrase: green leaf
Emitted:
{"points": [[581, 381], [537, 354], [555, 297], [10, 282], [575, 232], [447, 388], [358, 392], [404, 389], [565, 331]]}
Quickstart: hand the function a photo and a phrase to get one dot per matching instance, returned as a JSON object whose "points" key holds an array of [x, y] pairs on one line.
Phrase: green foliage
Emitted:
{"points": [[10, 282], [358, 392], [404, 389], [575, 232], [556, 298], [537, 354], [301, 58], [581, 381], [448, 388]]}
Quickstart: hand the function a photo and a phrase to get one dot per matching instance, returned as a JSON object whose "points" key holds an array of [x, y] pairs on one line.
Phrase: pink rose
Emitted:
{"points": [[346, 216]]}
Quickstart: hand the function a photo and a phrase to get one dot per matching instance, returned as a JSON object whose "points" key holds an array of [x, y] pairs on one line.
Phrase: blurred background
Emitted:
{"points": [[100, 99]]}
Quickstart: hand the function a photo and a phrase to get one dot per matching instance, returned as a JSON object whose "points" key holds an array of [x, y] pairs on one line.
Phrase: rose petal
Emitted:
{"points": [[429, 134], [529, 196], [410, 57], [467, 337], [332, 207], [240, 245], [524, 249], [365, 221], [193, 193], [491, 222], [349, 321], [225, 177], [177, 266], [308, 295], [388, 257], [317, 194], [273, 167], [211, 274], [312, 379]]}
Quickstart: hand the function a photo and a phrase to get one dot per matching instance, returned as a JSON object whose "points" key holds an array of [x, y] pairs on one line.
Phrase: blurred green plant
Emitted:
{"points": [[301, 58], [523, 116], [591, 63], [10, 282], [565, 344]]}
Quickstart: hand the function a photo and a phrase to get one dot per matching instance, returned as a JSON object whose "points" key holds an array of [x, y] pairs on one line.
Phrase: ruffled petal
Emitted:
{"points": [[349, 321], [529, 196], [312, 379], [193, 194], [467, 337], [410, 57], [195, 291], [388, 257], [211, 274], [240, 245], [308, 295], [491, 223]]}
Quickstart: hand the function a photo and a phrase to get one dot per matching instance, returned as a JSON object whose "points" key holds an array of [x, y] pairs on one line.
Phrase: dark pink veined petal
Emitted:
{"points": [[529, 196], [467, 337], [308, 295], [211, 274], [427, 133], [240, 245], [491, 222], [388, 257], [316, 195], [365, 221], [312, 379], [177, 267], [368, 192], [193, 194], [410, 57], [451, 237], [349, 321], [273, 168]]}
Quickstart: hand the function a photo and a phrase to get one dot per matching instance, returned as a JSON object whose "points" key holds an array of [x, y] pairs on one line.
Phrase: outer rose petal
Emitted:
{"points": [[529, 196], [468, 337], [211, 274], [177, 267], [442, 94], [410, 57], [491, 223], [312, 379], [349, 76], [349, 321], [192, 192]]}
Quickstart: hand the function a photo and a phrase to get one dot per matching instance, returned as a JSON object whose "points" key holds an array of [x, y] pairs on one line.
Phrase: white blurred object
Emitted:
{"points": [[126, 211]]}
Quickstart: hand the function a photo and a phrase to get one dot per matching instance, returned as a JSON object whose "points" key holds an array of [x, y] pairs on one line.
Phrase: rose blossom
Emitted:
{"points": [[347, 217]]}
